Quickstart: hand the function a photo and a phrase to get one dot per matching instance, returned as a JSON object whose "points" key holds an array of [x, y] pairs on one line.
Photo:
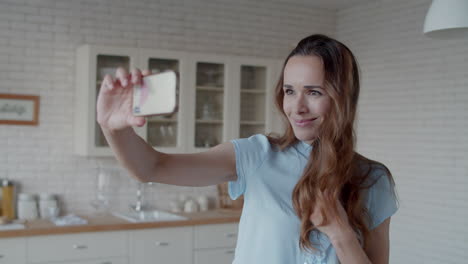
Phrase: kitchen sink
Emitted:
{"points": [[148, 216]]}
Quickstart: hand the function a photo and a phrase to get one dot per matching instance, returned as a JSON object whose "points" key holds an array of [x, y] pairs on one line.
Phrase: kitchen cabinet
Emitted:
{"points": [[166, 133], [215, 244], [71, 248], [93, 63], [200, 244], [219, 98], [254, 85], [98, 261], [214, 256], [210, 89], [162, 246], [13, 251]]}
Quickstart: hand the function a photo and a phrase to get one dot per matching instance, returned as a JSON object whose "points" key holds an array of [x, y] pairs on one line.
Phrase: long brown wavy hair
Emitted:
{"points": [[334, 170]]}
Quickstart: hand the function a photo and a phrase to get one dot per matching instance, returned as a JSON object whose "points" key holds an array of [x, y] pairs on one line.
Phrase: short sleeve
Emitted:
{"points": [[250, 154], [381, 201]]}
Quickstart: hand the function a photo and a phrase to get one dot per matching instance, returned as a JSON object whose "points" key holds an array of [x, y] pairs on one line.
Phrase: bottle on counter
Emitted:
{"points": [[48, 206], [1, 212], [27, 206], [8, 200]]}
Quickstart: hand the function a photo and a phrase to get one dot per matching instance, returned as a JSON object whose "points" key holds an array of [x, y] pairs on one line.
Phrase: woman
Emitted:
{"points": [[308, 196]]}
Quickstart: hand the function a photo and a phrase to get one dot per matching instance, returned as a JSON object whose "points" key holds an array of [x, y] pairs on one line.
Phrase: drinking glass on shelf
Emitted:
{"points": [[163, 134], [170, 134], [207, 110], [210, 77]]}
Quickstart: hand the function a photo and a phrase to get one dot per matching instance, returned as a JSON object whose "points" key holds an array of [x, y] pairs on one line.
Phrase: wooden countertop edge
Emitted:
{"points": [[118, 225]]}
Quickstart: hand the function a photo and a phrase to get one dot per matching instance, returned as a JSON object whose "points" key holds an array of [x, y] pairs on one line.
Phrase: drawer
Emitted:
{"points": [[77, 246], [162, 246], [215, 236], [12, 251], [214, 256], [100, 261]]}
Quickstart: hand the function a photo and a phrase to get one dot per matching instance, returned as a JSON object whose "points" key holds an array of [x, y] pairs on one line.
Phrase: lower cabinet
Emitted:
{"points": [[13, 251], [202, 244], [98, 261], [77, 247], [161, 246], [215, 244], [214, 256]]}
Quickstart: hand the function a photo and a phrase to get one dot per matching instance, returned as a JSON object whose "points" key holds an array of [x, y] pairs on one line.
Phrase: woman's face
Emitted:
{"points": [[305, 100]]}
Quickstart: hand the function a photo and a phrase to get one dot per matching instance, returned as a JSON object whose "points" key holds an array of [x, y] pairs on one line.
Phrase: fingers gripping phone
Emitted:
{"points": [[157, 95]]}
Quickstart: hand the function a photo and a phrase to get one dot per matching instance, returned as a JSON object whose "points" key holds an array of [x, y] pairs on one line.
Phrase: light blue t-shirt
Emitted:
{"points": [[269, 227]]}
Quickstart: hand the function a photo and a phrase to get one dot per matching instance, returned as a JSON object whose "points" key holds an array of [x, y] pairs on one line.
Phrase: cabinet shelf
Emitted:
{"points": [[252, 123], [162, 120], [210, 89], [253, 91], [203, 121]]}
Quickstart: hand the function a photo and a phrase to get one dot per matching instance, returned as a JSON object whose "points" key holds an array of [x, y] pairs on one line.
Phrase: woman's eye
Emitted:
{"points": [[288, 91], [314, 92]]}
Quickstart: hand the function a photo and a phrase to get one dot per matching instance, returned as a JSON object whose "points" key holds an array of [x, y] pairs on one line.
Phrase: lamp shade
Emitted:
{"points": [[447, 19]]}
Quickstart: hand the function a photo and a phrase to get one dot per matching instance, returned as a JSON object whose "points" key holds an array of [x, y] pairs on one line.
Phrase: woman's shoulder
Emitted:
{"points": [[256, 139], [256, 143], [373, 170], [381, 196]]}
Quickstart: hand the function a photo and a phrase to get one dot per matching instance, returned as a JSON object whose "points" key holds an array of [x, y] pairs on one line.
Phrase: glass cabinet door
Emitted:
{"points": [[252, 100], [106, 64], [210, 79], [162, 130]]}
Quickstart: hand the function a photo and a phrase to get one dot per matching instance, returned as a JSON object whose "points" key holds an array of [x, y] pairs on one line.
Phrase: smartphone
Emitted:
{"points": [[157, 95]]}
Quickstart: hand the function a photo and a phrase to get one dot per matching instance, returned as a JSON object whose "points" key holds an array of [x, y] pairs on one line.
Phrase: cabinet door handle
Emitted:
{"points": [[161, 244], [230, 234], [229, 252], [80, 246]]}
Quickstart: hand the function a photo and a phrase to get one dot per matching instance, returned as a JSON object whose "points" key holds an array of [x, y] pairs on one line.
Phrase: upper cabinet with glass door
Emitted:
{"points": [[255, 86], [93, 63], [210, 88], [253, 100], [165, 133]]}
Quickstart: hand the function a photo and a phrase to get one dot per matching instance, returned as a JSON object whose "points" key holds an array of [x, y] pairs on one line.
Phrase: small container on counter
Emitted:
{"points": [[203, 202], [48, 205], [191, 206], [27, 206]]}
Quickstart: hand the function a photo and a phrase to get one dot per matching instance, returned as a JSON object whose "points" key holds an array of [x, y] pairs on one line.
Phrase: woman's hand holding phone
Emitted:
{"points": [[115, 99]]}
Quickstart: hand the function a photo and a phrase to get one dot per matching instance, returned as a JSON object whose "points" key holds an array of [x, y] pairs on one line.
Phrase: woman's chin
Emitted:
{"points": [[305, 137]]}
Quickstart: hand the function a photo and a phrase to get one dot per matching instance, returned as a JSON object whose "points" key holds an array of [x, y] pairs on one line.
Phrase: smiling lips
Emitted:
{"points": [[304, 122]]}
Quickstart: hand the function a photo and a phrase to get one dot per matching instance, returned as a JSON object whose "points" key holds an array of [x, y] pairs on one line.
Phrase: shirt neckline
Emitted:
{"points": [[304, 147]]}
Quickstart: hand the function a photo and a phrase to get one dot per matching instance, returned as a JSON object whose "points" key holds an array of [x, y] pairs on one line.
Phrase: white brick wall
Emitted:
{"points": [[414, 117], [38, 39]]}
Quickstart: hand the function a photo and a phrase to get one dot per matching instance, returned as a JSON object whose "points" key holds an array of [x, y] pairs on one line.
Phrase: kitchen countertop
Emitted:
{"points": [[108, 222]]}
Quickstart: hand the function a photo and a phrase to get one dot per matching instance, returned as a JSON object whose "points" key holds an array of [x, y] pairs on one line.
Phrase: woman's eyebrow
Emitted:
{"points": [[305, 86]]}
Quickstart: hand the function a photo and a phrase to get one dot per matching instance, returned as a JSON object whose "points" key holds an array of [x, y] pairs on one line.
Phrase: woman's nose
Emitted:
{"points": [[300, 105]]}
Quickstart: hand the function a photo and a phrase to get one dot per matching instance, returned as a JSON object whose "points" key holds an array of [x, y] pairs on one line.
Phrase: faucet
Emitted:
{"points": [[139, 205]]}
